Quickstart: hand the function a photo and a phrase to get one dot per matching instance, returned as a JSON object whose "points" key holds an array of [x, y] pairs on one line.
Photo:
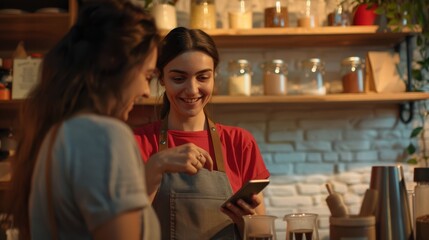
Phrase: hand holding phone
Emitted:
{"points": [[246, 192]]}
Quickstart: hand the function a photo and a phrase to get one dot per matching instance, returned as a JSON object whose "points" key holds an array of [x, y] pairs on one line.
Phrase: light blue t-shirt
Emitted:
{"points": [[97, 173]]}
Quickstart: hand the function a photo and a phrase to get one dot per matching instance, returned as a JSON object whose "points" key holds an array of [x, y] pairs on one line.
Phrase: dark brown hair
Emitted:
{"points": [[178, 41], [91, 65]]}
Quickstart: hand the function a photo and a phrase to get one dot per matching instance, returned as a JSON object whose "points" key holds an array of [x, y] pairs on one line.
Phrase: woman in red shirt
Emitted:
{"points": [[193, 165]]}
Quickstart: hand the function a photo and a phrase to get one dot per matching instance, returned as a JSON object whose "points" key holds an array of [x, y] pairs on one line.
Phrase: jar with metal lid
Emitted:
{"points": [[203, 14], [240, 78], [275, 77], [276, 13], [421, 206], [352, 75], [311, 77]]}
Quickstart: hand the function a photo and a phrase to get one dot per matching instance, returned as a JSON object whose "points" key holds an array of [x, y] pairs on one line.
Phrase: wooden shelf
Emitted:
{"points": [[306, 37], [347, 98], [375, 98], [39, 31]]}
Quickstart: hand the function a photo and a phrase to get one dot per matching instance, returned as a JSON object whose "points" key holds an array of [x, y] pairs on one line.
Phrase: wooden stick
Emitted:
{"points": [[330, 189]]}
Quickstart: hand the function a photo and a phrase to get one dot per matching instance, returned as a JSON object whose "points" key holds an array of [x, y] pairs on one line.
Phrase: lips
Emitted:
{"points": [[191, 100]]}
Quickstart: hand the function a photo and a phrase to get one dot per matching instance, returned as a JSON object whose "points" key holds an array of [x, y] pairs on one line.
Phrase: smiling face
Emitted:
{"points": [[188, 80]]}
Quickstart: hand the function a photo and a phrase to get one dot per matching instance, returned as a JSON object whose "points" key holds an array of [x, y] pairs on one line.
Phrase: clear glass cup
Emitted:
{"points": [[301, 226], [240, 14], [259, 227]]}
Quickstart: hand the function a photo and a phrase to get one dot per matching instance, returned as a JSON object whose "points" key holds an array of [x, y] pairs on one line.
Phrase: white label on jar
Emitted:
{"points": [[165, 16], [240, 20], [274, 84], [240, 85], [203, 16]]}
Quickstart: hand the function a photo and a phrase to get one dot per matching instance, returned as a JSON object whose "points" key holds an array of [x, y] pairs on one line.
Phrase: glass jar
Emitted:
{"points": [[240, 78], [340, 16], [275, 77], [240, 14], [203, 14], [276, 13], [352, 75], [164, 14], [421, 206], [311, 77], [308, 14]]}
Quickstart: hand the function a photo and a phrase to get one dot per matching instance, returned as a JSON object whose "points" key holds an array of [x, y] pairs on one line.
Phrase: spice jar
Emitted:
{"points": [[275, 77], [340, 16], [164, 14], [240, 78], [421, 206], [240, 14], [203, 14], [308, 14], [311, 77], [276, 13], [352, 75]]}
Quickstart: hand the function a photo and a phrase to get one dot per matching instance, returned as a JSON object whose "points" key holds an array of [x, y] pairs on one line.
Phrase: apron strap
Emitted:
{"points": [[214, 135]]}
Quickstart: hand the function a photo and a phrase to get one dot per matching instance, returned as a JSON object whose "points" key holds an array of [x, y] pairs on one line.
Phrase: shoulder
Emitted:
{"points": [[90, 127]]}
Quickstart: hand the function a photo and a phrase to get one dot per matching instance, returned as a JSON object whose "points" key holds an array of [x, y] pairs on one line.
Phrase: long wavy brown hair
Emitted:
{"points": [[88, 68]]}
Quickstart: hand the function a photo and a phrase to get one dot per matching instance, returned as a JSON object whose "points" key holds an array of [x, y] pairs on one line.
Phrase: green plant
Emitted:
{"points": [[414, 15]]}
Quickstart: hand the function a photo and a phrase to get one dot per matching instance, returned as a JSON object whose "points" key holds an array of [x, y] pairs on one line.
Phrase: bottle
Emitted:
{"points": [[240, 78], [311, 77], [275, 77], [240, 14], [352, 75], [203, 14], [340, 16], [421, 206], [276, 13]]}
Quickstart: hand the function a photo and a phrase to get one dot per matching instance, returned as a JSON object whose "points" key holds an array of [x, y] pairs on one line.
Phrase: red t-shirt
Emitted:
{"points": [[243, 160]]}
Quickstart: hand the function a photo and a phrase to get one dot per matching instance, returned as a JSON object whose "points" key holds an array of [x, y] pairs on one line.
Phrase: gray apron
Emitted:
{"points": [[188, 206]]}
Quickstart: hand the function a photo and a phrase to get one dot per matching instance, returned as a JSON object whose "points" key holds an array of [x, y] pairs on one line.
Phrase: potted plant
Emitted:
{"points": [[414, 15]]}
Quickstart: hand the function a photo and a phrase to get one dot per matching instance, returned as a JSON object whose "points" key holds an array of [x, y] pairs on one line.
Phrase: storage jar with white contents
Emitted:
{"points": [[240, 14], [311, 77], [240, 78], [275, 77], [164, 13], [203, 14]]}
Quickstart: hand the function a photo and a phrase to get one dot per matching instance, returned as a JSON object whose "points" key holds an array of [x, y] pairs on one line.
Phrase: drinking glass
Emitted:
{"points": [[259, 227], [301, 226]]}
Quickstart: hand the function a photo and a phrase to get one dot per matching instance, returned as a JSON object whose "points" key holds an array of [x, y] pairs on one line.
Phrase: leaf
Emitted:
{"points": [[412, 161], [411, 149], [416, 131]]}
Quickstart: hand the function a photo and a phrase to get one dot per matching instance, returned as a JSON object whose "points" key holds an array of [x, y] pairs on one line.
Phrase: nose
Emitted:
{"points": [[145, 89], [192, 86]]}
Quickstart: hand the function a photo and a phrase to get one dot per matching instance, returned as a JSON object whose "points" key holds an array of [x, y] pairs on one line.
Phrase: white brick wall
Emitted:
{"points": [[304, 151]]}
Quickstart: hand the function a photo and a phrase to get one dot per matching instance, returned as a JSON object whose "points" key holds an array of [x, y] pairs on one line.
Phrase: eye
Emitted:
{"points": [[204, 77], [152, 75]]}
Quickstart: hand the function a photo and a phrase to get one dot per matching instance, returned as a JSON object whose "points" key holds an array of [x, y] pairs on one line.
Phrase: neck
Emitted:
{"points": [[196, 123]]}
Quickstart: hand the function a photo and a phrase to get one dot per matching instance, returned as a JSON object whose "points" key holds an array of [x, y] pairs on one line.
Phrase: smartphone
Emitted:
{"points": [[254, 186]]}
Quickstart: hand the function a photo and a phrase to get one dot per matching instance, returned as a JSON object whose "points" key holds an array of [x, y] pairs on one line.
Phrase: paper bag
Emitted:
{"points": [[381, 73]]}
